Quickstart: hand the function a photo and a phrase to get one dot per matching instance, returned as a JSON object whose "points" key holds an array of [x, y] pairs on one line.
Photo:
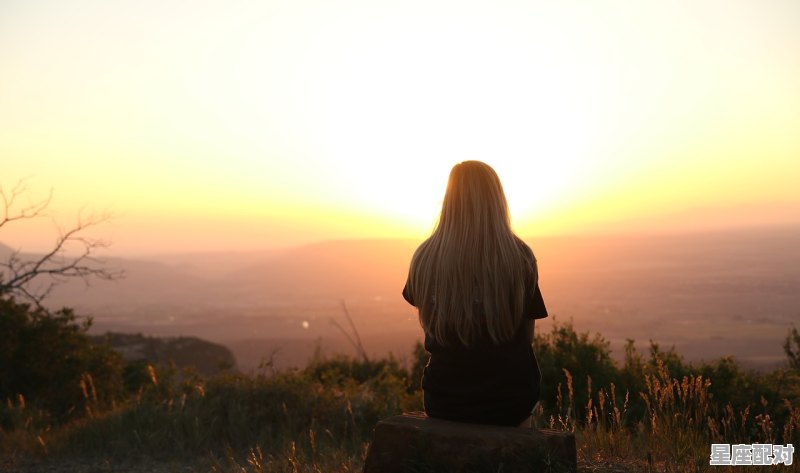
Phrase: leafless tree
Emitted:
{"points": [[355, 340], [73, 254]]}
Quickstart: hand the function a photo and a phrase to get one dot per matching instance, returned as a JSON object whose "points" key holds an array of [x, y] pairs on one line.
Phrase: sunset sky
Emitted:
{"points": [[240, 125]]}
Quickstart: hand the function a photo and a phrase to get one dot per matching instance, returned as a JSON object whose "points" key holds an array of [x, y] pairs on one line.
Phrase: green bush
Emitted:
{"points": [[341, 369], [587, 359], [48, 361]]}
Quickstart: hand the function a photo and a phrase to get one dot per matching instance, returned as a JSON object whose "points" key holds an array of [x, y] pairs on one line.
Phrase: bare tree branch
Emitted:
{"points": [[357, 345], [32, 210], [73, 255]]}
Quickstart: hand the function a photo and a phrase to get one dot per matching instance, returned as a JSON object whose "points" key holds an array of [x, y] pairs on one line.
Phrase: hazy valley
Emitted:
{"points": [[709, 295]]}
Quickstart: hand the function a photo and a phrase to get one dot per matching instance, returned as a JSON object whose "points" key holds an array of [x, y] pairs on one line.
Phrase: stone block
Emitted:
{"points": [[415, 443]]}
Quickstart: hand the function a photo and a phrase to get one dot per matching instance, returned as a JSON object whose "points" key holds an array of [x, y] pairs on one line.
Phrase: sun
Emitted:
{"points": [[392, 115], [367, 114]]}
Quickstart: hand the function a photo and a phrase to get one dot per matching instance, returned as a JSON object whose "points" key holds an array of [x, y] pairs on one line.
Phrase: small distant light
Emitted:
{"points": [[305, 324]]}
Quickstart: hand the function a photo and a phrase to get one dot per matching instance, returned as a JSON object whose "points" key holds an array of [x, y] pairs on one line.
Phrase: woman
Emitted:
{"points": [[475, 284]]}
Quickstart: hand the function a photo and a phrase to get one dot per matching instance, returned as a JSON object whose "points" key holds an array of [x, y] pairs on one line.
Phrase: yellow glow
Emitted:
{"points": [[258, 124]]}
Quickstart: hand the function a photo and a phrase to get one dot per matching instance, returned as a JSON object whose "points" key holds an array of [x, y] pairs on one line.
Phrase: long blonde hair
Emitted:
{"points": [[468, 279]]}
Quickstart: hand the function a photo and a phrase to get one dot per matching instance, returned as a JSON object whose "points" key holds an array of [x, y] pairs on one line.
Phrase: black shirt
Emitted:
{"points": [[486, 384]]}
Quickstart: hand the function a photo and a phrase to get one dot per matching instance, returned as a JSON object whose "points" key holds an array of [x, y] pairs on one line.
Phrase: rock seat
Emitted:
{"points": [[415, 443]]}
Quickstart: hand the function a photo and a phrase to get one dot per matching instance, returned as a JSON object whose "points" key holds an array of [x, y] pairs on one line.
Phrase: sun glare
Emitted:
{"points": [[393, 100]]}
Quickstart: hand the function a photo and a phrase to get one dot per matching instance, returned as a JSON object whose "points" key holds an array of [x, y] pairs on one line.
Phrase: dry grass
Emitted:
{"points": [[679, 424], [320, 420]]}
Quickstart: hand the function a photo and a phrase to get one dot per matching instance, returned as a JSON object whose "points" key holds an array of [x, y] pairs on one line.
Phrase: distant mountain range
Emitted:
{"points": [[709, 294]]}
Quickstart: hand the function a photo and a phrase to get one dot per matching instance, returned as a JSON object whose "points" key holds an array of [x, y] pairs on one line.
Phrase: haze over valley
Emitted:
{"points": [[709, 294]]}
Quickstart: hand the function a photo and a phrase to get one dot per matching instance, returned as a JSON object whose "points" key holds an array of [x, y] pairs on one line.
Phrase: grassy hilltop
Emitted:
{"points": [[73, 405]]}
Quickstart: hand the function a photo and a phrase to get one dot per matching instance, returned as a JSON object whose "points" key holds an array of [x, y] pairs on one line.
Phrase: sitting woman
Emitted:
{"points": [[475, 284]]}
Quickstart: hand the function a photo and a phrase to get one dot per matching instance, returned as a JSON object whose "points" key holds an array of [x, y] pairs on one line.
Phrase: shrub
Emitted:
{"points": [[586, 359], [47, 359]]}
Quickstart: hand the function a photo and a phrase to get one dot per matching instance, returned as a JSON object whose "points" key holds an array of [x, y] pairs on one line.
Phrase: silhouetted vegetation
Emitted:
{"points": [[74, 255], [653, 411], [49, 364]]}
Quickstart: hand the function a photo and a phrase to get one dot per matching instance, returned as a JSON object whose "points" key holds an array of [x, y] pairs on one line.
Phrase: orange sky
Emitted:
{"points": [[239, 125]]}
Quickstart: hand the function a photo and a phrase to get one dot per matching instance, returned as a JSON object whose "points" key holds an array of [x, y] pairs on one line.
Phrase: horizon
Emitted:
{"points": [[643, 233]]}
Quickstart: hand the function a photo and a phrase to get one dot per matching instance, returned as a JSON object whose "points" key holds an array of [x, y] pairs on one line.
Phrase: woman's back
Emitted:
{"points": [[476, 287]]}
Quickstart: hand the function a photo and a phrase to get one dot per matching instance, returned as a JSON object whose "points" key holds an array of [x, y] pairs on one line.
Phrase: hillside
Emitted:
{"points": [[183, 352]]}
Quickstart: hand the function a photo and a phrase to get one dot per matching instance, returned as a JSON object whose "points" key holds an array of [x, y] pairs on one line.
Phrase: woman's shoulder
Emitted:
{"points": [[422, 247], [526, 250]]}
